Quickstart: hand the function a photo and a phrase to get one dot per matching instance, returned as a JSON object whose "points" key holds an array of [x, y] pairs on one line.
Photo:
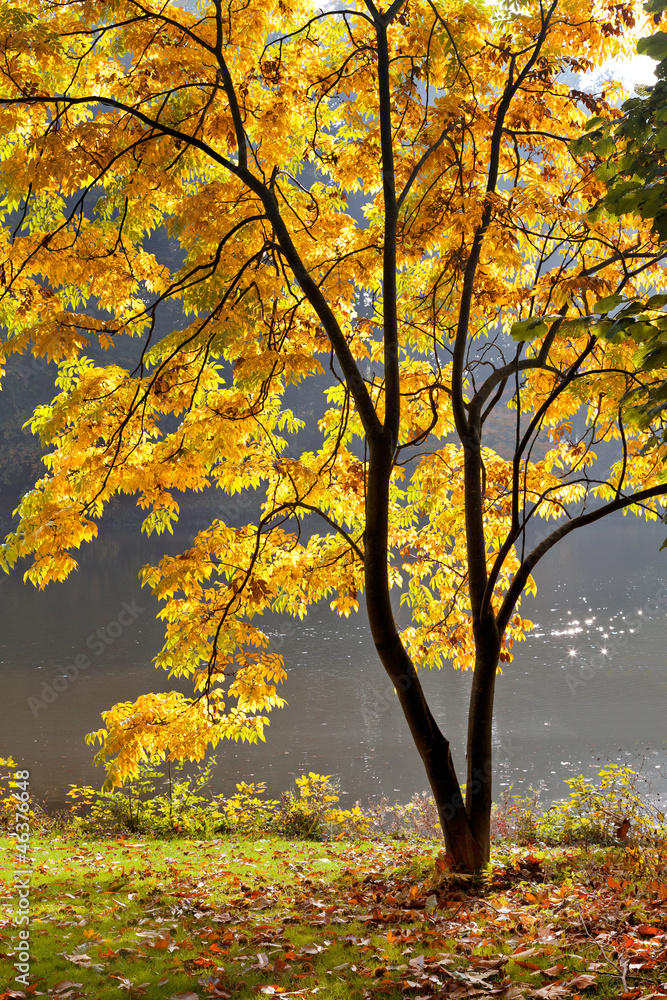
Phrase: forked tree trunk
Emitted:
{"points": [[466, 829]]}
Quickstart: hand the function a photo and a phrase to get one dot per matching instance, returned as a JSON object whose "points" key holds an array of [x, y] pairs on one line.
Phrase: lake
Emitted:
{"points": [[589, 684]]}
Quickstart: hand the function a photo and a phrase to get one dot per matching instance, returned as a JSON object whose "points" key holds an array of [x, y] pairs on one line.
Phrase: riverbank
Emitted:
{"points": [[238, 918]]}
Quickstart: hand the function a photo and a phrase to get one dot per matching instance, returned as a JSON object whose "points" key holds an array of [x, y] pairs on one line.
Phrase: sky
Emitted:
{"points": [[630, 72]]}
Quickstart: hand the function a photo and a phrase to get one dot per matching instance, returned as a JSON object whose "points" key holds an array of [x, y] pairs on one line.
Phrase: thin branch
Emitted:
{"points": [[529, 563]]}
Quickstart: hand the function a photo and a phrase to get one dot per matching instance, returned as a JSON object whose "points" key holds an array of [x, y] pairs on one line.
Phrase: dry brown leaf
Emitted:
{"points": [[583, 981], [260, 903], [552, 990]]}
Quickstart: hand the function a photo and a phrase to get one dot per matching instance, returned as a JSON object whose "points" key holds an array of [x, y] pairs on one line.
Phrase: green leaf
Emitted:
{"points": [[531, 329], [575, 327], [608, 303], [640, 331], [528, 329], [594, 122], [602, 328], [655, 46], [656, 301], [657, 358]]}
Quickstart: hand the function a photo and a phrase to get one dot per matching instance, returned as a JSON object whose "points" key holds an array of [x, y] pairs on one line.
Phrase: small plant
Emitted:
{"points": [[7, 800], [180, 808], [185, 807], [517, 818], [417, 818], [615, 809], [312, 813], [246, 811]]}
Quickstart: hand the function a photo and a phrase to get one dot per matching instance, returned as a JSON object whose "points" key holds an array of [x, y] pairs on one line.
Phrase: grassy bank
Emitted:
{"points": [[238, 918]]}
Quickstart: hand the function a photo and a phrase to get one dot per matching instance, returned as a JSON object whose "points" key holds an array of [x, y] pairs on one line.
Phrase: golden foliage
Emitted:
{"points": [[121, 120]]}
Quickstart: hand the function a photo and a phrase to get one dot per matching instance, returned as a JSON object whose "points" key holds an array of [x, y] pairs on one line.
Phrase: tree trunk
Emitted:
{"points": [[480, 733], [469, 853]]}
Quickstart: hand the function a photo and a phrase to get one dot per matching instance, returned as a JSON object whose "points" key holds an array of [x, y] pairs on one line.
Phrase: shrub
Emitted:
{"points": [[182, 806], [517, 818], [246, 811], [615, 809], [417, 818], [7, 800], [15, 795], [314, 813]]}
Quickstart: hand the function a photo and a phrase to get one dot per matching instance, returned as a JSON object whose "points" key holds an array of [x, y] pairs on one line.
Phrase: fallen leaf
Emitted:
{"points": [[552, 990], [583, 981], [260, 903]]}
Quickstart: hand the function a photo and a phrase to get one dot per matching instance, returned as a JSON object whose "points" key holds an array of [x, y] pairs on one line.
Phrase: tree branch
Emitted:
{"points": [[529, 563]]}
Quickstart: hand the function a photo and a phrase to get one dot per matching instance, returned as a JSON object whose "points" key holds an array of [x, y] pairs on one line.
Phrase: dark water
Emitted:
{"points": [[563, 706]]}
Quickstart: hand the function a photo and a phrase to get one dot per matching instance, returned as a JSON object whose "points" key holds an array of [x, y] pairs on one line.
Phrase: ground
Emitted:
{"points": [[238, 918]]}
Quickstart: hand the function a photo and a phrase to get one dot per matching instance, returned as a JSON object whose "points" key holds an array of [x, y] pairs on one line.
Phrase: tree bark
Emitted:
{"points": [[480, 732], [467, 851]]}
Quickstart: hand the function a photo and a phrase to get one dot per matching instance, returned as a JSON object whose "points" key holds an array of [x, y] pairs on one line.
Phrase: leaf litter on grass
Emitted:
{"points": [[382, 919]]}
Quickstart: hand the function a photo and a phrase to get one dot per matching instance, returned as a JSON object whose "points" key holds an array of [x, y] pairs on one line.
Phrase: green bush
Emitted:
{"points": [[314, 813], [610, 811], [247, 812], [615, 809], [184, 807], [416, 818], [517, 817]]}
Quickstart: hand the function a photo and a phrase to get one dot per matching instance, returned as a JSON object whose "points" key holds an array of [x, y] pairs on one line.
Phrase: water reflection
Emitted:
{"points": [[588, 685]]}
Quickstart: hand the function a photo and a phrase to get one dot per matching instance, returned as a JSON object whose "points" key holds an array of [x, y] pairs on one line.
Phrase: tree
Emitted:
{"points": [[630, 152], [243, 130], [632, 147]]}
